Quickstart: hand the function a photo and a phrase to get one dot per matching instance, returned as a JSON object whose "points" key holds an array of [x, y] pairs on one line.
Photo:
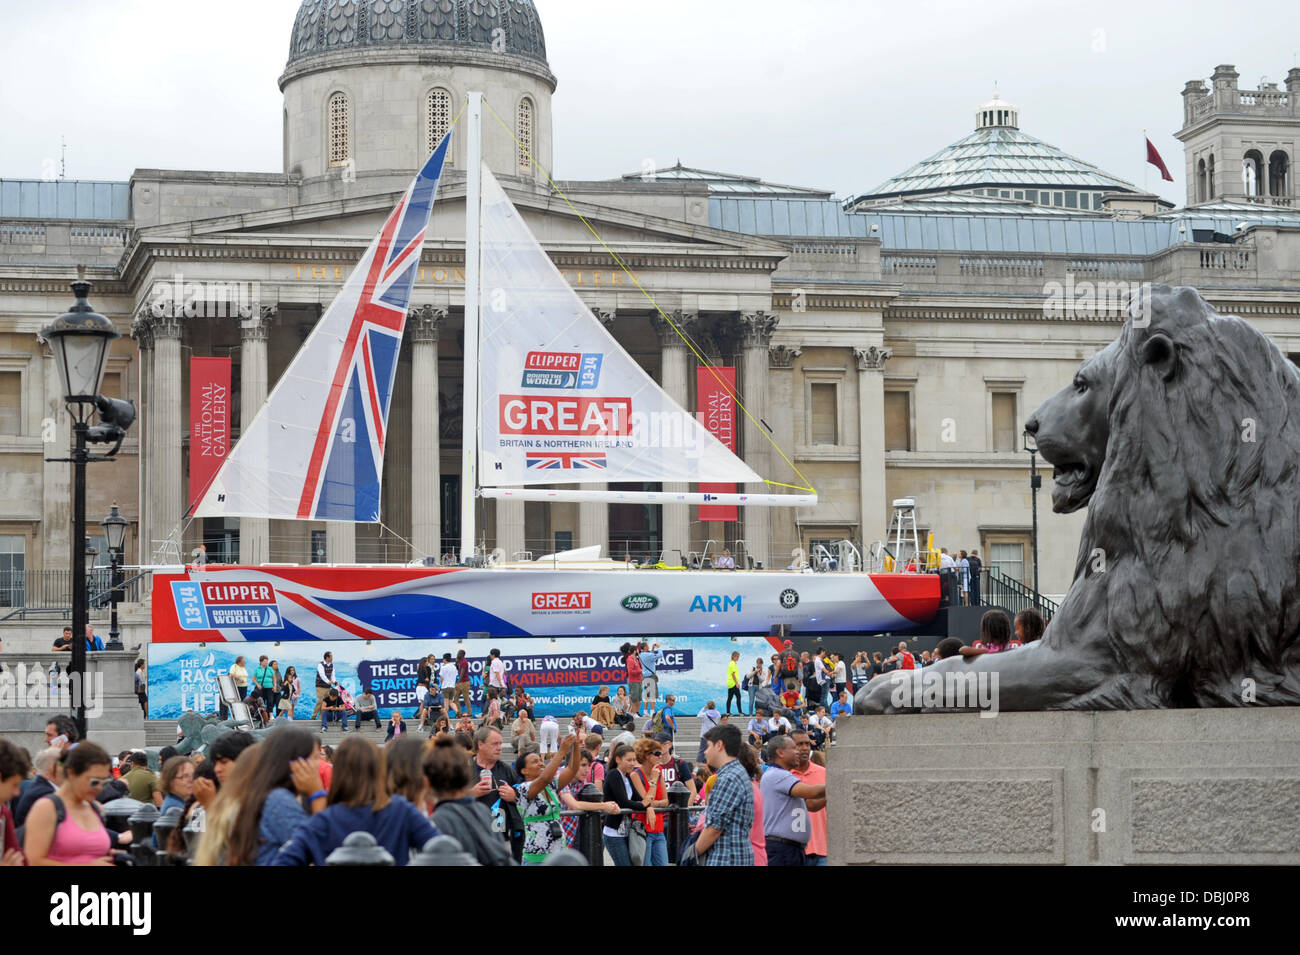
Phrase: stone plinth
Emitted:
{"points": [[1213, 787], [22, 718]]}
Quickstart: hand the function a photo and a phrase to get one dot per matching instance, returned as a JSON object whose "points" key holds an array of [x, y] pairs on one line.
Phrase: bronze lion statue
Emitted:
{"points": [[1182, 437]]}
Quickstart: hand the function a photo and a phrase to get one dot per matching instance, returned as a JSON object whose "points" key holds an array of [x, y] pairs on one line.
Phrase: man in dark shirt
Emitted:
{"points": [[332, 709], [495, 788], [976, 567], [64, 642]]}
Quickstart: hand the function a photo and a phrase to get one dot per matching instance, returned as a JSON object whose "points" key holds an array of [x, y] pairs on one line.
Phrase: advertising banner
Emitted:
{"points": [[219, 603], [562, 676], [715, 390], [209, 421]]}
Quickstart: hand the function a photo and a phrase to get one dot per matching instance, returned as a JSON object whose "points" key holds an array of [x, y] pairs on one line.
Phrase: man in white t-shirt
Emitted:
{"points": [[497, 673], [447, 680], [945, 560]]}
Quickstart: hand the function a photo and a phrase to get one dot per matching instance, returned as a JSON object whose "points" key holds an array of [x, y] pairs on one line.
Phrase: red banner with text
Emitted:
{"points": [[715, 389], [209, 421]]}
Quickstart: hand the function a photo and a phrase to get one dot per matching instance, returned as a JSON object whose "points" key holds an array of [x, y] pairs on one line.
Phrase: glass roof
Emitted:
{"points": [[722, 182], [965, 202], [998, 156], [1037, 233], [64, 199]]}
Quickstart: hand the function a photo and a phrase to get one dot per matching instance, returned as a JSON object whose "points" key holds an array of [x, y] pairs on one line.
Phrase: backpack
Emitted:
{"points": [[657, 722], [488, 847], [789, 663]]}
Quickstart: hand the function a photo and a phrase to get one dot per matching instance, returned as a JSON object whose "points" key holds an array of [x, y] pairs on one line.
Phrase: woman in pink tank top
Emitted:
{"points": [[81, 838]]}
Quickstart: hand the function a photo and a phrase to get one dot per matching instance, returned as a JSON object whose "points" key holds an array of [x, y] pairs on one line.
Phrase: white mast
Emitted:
{"points": [[473, 247]]}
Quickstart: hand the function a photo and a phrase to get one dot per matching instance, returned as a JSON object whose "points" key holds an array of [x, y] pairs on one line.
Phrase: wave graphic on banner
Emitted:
{"points": [[315, 450], [561, 402]]}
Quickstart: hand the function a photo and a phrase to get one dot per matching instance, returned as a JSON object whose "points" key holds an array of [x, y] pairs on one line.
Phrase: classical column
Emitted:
{"points": [[254, 532], [510, 527], [340, 542], [871, 442], [756, 335], [674, 370], [142, 332], [780, 401], [593, 519], [426, 519], [166, 484]]}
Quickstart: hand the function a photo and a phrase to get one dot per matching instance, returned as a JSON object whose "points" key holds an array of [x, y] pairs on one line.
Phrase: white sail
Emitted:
{"points": [[561, 401], [315, 449]]}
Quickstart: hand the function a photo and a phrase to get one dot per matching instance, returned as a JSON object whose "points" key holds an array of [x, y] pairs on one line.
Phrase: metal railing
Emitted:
{"points": [[50, 591], [998, 589]]}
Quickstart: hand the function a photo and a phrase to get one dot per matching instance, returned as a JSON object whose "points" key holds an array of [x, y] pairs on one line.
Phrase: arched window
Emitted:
{"points": [[339, 121], [1210, 176], [1200, 181], [524, 133], [1279, 174], [1252, 164], [437, 111]]}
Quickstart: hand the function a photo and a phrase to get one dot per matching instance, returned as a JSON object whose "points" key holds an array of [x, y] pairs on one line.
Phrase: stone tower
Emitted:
{"points": [[370, 86], [1240, 145]]}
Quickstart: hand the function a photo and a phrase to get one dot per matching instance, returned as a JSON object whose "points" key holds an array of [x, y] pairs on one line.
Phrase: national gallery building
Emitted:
{"points": [[894, 342]]}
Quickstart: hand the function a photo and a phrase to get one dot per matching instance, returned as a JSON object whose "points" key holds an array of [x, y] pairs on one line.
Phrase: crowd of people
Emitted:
{"points": [[291, 799], [823, 683], [758, 792]]}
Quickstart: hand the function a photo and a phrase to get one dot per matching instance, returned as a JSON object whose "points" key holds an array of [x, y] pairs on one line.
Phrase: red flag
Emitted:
{"points": [[209, 421], [1153, 157], [716, 391]]}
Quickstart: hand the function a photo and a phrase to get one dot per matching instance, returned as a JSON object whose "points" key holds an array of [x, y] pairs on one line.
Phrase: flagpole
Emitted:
{"points": [[469, 411]]}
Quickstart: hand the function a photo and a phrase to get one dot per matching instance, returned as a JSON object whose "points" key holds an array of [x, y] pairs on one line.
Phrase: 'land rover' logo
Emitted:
{"points": [[789, 598], [640, 602]]}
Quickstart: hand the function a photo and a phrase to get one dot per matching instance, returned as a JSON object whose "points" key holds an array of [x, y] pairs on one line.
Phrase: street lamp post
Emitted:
{"points": [[1035, 482], [115, 534], [80, 340]]}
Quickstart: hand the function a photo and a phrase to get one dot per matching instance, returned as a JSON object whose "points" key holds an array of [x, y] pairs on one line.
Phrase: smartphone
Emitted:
{"points": [[60, 740]]}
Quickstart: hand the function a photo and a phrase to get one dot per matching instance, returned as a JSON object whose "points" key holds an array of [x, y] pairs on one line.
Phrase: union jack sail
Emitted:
{"points": [[315, 450]]}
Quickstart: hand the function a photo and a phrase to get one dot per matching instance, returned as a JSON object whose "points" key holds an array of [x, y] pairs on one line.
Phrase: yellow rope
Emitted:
{"points": [[762, 429]]}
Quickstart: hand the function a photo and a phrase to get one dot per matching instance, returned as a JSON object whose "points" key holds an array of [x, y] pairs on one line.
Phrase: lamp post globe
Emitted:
{"points": [[80, 340]]}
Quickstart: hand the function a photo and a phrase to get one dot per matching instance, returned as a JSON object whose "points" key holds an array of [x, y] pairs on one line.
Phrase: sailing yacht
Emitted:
{"points": [[550, 399]]}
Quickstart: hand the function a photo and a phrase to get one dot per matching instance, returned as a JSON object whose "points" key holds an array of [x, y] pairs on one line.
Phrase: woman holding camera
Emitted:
{"points": [[539, 799]]}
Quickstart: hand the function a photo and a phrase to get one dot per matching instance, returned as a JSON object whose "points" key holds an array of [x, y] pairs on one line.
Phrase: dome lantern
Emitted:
{"points": [[997, 113]]}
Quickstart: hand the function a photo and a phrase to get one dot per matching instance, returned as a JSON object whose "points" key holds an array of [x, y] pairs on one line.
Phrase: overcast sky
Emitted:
{"points": [[840, 94]]}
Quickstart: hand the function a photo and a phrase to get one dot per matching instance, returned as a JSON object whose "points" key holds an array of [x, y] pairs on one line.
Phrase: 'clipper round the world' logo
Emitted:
{"points": [[789, 598]]}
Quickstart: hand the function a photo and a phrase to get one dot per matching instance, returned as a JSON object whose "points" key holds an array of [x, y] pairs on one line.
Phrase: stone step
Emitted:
{"points": [[163, 733]]}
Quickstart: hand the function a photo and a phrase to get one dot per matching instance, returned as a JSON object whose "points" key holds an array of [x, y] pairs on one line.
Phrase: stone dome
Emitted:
{"points": [[324, 27]]}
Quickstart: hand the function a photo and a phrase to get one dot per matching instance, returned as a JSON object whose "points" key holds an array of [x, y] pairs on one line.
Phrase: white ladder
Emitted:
{"points": [[906, 545]]}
